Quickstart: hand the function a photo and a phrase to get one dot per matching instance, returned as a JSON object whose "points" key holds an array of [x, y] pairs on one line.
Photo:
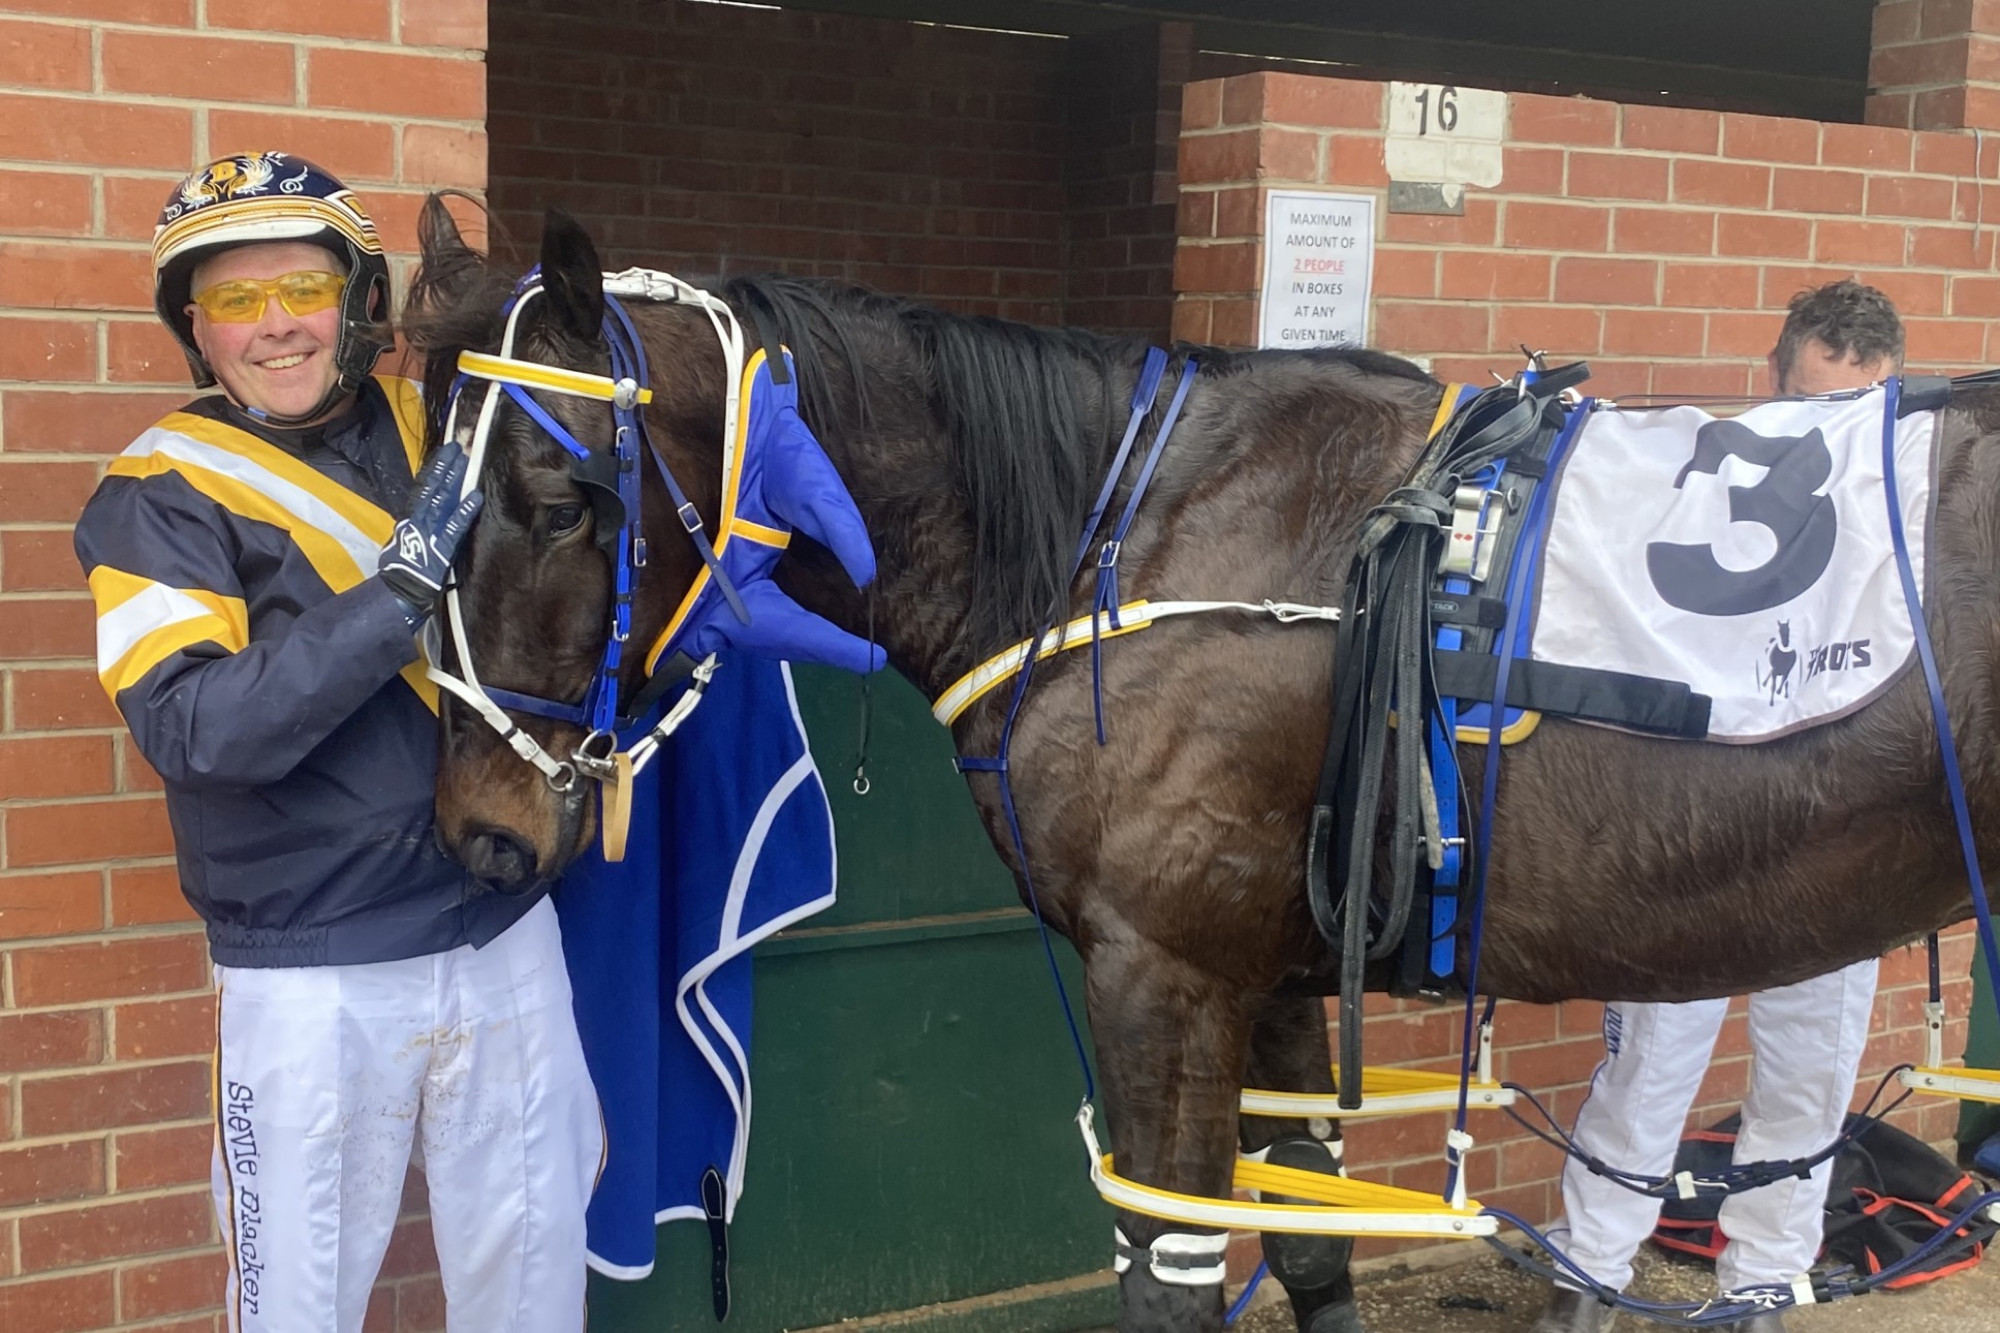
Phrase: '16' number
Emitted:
{"points": [[1447, 110]]}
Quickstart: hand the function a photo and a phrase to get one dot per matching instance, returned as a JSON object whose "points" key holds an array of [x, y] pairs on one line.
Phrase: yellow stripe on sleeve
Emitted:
{"points": [[141, 623]]}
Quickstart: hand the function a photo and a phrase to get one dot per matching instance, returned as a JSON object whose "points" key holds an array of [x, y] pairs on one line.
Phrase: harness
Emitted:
{"points": [[1440, 575], [775, 479], [1109, 617]]}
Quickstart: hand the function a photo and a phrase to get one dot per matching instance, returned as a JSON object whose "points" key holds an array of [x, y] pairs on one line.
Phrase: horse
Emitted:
{"points": [[1623, 866]]}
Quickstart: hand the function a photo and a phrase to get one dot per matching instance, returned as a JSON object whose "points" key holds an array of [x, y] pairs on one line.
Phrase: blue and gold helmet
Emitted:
{"points": [[248, 198]]}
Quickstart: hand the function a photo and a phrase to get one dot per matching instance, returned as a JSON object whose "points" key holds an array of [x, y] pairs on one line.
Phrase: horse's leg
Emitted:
{"points": [[1288, 1052], [1171, 1042]]}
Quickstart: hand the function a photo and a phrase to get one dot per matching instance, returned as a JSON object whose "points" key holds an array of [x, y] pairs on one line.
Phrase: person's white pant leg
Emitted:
{"points": [[512, 1140], [1806, 1042], [1654, 1059], [317, 1078]]}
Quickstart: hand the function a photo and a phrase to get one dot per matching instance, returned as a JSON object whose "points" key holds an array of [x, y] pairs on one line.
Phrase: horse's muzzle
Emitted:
{"points": [[500, 860]]}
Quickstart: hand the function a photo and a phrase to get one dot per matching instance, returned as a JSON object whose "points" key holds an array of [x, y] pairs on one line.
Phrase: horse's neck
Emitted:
{"points": [[920, 607], [899, 468]]}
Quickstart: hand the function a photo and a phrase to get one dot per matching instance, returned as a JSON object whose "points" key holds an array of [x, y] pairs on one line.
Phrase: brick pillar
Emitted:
{"points": [[1935, 65], [106, 1017]]}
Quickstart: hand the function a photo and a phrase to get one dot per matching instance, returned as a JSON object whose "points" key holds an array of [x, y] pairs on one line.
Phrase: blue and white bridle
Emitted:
{"points": [[611, 478]]}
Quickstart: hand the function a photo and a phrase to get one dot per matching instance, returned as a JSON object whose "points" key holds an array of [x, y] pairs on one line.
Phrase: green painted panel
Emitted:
{"points": [[913, 846], [915, 1086], [912, 1143]]}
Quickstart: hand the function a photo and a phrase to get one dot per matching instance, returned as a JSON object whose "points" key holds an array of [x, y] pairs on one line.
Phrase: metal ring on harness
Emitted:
{"points": [[598, 766], [563, 778]]}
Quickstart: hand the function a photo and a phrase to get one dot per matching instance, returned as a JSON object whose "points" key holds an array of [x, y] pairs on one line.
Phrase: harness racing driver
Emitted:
{"points": [[257, 606]]}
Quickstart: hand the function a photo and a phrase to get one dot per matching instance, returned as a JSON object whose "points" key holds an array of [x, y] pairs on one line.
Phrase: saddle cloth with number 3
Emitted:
{"points": [[1748, 556]]}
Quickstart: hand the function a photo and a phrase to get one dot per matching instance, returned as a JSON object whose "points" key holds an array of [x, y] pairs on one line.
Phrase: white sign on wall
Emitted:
{"points": [[1441, 133], [1318, 251]]}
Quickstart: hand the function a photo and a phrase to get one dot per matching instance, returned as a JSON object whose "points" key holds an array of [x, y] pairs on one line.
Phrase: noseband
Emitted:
{"points": [[610, 479]]}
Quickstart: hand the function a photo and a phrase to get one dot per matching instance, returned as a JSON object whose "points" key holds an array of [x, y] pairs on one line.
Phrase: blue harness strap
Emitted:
{"points": [[1143, 394], [1947, 746], [1106, 601]]}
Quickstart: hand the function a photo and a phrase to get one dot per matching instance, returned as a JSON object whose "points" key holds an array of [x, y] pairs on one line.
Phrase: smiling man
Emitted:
{"points": [[256, 610]]}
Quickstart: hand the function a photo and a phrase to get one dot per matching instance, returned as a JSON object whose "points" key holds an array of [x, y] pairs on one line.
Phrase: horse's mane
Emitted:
{"points": [[1029, 415], [455, 306]]}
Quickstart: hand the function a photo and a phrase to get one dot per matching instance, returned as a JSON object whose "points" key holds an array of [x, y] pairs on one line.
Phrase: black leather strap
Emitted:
{"points": [[1661, 707], [713, 1203]]}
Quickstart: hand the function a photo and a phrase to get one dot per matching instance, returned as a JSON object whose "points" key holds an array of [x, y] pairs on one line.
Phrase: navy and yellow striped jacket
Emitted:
{"points": [[273, 681]]}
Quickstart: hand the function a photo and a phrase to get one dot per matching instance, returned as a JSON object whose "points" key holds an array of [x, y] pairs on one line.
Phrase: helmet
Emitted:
{"points": [[253, 197]]}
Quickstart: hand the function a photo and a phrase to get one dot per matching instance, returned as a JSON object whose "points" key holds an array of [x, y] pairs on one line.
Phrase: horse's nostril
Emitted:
{"points": [[500, 859]]}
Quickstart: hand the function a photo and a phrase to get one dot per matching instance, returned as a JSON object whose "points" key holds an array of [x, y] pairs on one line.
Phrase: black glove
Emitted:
{"points": [[417, 560]]}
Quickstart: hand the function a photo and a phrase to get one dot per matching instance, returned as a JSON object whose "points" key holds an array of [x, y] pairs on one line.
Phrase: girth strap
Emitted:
{"points": [[1642, 703]]}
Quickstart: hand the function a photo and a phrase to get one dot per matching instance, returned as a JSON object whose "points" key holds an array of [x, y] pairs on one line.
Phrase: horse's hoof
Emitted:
{"points": [[1341, 1317]]}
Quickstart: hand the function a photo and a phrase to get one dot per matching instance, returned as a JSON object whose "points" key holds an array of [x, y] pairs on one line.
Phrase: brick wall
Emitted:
{"points": [[106, 1021], [1661, 245], [994, 173]]}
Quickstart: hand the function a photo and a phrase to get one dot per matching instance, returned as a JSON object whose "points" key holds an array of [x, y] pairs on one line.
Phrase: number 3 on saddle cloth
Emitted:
{"points": [[733, 841], [1695, 577]]}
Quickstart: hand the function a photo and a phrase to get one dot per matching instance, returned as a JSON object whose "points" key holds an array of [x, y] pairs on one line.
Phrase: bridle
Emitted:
{"points": [[610, 478]]}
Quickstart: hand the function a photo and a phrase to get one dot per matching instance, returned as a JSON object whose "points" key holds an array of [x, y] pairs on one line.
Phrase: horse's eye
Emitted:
{"points": [[565, 518]]}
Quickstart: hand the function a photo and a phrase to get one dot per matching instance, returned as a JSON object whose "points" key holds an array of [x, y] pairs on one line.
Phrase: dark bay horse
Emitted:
{"points": [[1625, 867]]}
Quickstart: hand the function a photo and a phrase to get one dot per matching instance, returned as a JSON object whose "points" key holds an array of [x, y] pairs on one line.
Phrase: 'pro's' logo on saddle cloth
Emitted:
{"points": [[1749, 557]]}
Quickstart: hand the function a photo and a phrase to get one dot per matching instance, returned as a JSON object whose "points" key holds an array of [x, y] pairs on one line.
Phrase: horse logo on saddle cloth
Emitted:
{"points": [[1662, 570]]}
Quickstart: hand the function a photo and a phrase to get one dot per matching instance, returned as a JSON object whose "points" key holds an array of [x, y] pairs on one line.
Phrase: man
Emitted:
{"points": [[1806, 1038], [257, 608]]}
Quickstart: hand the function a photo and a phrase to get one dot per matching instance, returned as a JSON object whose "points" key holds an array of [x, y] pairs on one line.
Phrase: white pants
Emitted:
{"points": [[325, 1076], [1806, 1042]]}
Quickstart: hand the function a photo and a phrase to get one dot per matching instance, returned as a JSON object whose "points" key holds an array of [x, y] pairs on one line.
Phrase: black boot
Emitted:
{"points": [[1575, 1312], [1342, 1317]]}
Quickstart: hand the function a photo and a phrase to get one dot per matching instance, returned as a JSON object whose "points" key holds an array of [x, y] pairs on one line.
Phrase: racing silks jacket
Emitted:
{"points": [[273, 681]]}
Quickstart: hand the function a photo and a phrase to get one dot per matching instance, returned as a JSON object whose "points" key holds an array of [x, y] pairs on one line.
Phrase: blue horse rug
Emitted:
{"points": [[731, 841]]}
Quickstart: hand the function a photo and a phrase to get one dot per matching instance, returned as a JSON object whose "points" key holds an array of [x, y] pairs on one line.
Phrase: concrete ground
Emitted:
{"points": [[1489, 1295]]}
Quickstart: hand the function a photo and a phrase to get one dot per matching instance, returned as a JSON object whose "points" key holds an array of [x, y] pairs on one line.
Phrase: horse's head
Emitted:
{"points": [[534, 603], [608, 566]]}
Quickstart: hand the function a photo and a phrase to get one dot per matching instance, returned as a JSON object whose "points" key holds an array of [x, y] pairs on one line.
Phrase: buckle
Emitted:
{"points": [[690, 517]]}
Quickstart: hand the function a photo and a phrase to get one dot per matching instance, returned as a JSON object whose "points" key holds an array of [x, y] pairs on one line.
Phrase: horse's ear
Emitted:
{"points": [[572, 277], [450, 266]]}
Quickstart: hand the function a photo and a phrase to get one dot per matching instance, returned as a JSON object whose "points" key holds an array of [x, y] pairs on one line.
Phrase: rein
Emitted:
{"points": [[611, 479]]}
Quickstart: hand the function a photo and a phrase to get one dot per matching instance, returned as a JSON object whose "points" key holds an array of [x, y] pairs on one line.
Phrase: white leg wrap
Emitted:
{"points": [[1179, 1258]]}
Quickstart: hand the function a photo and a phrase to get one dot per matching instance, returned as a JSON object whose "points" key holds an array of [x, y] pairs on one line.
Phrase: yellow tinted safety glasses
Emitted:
{"points": [[241, 300]]}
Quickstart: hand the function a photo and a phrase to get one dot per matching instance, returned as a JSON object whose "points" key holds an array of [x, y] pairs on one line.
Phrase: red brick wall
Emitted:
{"points": [[106, 1020], [1661, 245], [995, 173]]}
